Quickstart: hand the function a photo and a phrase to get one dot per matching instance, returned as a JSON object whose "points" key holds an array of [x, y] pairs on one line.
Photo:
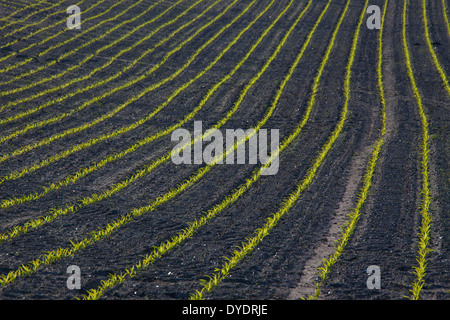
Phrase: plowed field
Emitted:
{"points": [[87, 178]]}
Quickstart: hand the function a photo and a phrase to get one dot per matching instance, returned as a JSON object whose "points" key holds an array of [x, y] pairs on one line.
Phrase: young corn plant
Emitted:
{"points": [[70, 39], [147, 169], [195, 225], [250, 243], [21, 20], [95, 236], [444, 12], [436, 62], [348, 227], [98, 69], [426, 219], [134, 125], [46, 17]]}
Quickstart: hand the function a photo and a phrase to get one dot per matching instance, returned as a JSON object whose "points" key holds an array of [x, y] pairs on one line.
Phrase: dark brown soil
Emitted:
{"points": [[283, 265]]}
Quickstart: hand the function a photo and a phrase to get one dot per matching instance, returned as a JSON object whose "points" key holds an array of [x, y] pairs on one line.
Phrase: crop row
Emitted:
{"points": [[444, 12], [89, 57], [63, 30], [77, 80], [352, 218], [18, 174], [426, 218], [116, 89], [430, 47], [251, 242], [348, 227], [83, 172], [10, 5], [46, 17], [17, 3], [195, 225], [61, 252], [24, 18]]}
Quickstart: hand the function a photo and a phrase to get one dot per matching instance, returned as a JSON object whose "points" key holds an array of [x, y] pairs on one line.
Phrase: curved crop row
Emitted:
{"points": [[23, 19], [426, 218], [70, 39], [251, 242], [11, 5], [185, 234], [94, 198], [352, 218], [3, 45], [431, 50], [101, 233], [16, 3], [159, 251], [444, 12], [79, 64], [91, 142], [98, 69], [110, 92], [8, 17], [85, 171]]}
